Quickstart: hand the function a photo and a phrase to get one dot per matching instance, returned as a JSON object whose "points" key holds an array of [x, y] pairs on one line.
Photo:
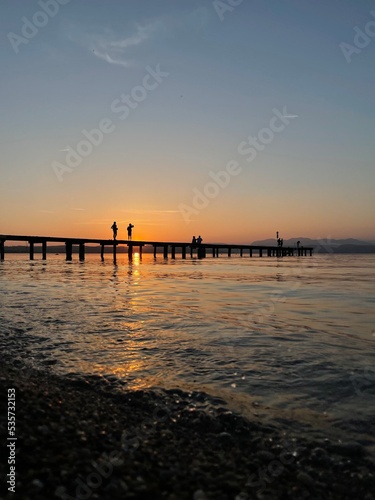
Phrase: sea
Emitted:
{"points": [[289, 340]]}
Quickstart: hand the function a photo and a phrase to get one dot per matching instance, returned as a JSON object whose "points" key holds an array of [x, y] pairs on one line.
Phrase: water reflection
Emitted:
{"points": [[229, 325]]}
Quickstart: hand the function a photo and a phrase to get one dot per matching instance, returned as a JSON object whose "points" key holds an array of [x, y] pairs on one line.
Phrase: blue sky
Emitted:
{"points": [[224, 77]]}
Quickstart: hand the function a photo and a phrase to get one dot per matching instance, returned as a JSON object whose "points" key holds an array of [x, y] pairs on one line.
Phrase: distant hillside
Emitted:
{"points": [[348, 245]]}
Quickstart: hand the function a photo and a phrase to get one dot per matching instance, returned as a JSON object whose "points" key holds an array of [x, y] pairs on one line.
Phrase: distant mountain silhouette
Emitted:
{"points": [[347, 245]]}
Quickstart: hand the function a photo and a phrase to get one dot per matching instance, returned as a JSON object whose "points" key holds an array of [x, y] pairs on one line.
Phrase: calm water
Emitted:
{"points": [[279, 338]]}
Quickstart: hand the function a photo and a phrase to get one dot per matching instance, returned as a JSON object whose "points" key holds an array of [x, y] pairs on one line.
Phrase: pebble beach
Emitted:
{"points": [[79, 439]]}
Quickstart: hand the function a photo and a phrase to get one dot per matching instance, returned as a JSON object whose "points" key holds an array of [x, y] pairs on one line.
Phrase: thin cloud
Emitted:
{"points": [[109, 46], [153, 224], [113, 48], [106, 57], [142, 34], [151, 211]]}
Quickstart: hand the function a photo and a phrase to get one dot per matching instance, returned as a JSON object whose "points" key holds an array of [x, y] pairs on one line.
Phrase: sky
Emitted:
{"points": [[230, 119]]}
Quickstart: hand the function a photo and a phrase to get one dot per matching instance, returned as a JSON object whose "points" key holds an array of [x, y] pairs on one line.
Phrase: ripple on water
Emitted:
{"points": [[301, 338]]}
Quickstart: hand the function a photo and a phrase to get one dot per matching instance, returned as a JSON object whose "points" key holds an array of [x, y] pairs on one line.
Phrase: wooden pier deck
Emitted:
{"points": [[167, 248]]}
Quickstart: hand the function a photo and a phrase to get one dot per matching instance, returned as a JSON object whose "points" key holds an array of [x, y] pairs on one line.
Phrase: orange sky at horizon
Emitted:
{"points": [[214, 224]]}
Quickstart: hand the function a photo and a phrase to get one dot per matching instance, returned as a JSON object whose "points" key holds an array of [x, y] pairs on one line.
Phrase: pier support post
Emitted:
{"points": [[44, 250], [213, 252], [31, 243], [140, 251], [154, 251], [165, 251], [217, 252], [183, 252], [251, 252], [2, 252], [130, 251], [68, 250], [241, 252], [260, 252], [173, 252], [191, 251], [201, 252], [81, 251], [310, 252], [102, 252], [229, 252]]}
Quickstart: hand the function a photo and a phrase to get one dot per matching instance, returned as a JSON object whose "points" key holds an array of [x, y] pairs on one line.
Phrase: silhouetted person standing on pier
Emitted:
{"points": [[199, 240], [194, 240], [114, 229], [129, 228]]}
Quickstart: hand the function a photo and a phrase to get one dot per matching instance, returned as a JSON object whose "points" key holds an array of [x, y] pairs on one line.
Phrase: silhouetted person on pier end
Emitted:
{"points": [[129, 228], [114, 229], [199, 240], [194, 240]]}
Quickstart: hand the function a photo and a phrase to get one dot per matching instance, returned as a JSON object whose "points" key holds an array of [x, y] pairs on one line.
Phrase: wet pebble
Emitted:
{"points": [[265, 456], [304, 478], [199, 495]]}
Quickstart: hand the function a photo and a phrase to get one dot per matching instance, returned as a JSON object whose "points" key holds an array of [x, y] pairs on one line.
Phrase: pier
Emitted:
{"points": [[168, 249]]}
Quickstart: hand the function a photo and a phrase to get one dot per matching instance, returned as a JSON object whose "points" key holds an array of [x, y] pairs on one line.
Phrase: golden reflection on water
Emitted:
{"points": [[126, 308], [130, 371]]}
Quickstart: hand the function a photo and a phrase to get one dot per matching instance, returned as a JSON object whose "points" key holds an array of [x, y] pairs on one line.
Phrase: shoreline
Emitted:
{"points": [[76, 440]]}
